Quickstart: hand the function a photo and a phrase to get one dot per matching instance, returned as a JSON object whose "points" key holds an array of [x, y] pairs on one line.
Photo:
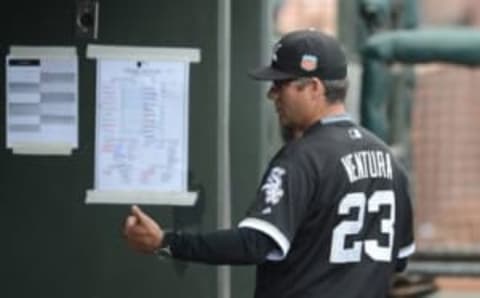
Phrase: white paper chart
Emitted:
{"points": [[141, 126], [42, 101]]}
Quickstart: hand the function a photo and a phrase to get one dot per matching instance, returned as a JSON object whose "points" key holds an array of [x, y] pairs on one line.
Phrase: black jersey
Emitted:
{"points": [[337, 205]]}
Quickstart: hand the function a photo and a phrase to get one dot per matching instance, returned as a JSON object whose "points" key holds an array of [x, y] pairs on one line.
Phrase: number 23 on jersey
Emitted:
{"points": [[341, 254]]}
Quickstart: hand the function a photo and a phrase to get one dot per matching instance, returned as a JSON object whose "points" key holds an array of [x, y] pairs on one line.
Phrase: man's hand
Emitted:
{"points": [[142, 233]]}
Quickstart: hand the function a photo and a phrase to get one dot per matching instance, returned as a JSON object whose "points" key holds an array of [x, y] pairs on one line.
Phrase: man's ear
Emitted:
{"points": [[318, 86]]}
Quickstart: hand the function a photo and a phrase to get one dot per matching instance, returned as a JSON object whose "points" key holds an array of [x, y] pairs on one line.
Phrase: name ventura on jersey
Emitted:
{"points": [[367, 164]]}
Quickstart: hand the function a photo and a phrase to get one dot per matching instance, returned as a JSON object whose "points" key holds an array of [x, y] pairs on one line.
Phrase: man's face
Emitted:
{"points": [[293, 102]]}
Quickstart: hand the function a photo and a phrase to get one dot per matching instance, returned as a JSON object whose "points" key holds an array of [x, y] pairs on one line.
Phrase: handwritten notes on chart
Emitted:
{"points": [[142, 126]]}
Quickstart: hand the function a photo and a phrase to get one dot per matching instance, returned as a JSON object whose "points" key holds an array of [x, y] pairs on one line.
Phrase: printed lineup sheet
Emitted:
{"points": [[141, 126], [42, 103]]}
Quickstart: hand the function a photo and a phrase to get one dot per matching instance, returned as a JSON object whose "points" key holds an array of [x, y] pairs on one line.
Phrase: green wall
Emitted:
{"points": [[53, 244]]}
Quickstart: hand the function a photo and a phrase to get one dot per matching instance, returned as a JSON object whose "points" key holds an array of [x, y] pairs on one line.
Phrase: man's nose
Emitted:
{"points": [[272, 93]]}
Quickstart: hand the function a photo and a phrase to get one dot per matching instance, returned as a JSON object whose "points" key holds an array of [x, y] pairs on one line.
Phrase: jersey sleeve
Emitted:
{"points": [[281, 203], [221, 247], [406, 245]]}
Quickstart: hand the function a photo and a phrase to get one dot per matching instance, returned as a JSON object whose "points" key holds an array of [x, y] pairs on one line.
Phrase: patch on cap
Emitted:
{"points": [[308, 63]]}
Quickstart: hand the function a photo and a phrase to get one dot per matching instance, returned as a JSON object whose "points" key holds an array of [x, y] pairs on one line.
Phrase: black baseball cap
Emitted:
{"points": [[305, 53]]}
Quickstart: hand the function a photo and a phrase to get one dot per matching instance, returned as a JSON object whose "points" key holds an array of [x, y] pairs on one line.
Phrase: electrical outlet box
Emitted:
{"points": [[86, 19]]}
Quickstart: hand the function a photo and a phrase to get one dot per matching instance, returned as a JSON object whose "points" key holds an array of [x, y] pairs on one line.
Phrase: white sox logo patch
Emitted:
{"points": [[273, 187]]}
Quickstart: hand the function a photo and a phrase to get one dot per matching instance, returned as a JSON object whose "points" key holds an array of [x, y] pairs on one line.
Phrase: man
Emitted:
{"points": [[332, 217]]}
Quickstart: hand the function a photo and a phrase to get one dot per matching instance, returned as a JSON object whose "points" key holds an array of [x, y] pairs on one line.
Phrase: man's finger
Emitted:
{"points": [[137, 212], [128, 224], [137, 231], [142, 216], [131, 221]]}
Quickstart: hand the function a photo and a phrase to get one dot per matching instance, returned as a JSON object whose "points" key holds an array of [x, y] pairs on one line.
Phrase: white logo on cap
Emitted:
{"points": [[308, 62], [276, 47]]}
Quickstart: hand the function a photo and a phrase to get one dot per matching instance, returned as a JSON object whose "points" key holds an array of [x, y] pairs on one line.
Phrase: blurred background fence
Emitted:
{"points": [[428, 112]]}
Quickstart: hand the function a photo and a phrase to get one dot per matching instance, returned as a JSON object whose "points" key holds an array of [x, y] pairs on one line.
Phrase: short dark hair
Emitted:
{"points": [[335, 90]]}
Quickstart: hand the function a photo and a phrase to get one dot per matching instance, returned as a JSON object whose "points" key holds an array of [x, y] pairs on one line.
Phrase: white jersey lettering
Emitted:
{"points": [[367, 164]]}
